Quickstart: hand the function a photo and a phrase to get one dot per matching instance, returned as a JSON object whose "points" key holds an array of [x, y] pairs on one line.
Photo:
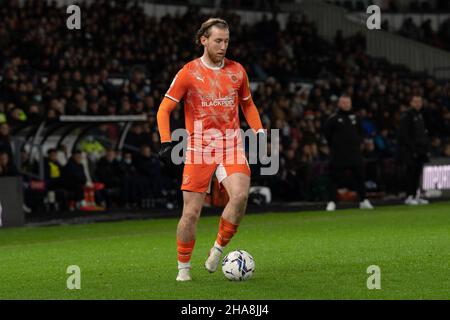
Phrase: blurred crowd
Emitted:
{"points": [[48, 71], [396, 6], [424, 32]]}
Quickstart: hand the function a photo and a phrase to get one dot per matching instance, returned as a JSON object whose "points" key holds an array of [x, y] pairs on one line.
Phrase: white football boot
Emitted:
{"points": [[215, 254], [410, 201], [422, 201], [331, 206], [184, 271], [365, 204], [419, 199]]}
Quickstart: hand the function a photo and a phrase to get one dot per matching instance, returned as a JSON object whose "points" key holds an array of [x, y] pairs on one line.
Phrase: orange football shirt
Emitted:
{"points": [[211, 101]]}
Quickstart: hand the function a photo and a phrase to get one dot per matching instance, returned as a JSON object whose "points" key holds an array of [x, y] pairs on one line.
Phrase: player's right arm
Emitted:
{"points": [[163, 119], [174, 95]]}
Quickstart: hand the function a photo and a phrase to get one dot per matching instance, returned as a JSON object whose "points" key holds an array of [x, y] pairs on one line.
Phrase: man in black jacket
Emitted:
{"points": [[413, 148], [74, 177], [148, 167], [108, 171], [344, 135]]}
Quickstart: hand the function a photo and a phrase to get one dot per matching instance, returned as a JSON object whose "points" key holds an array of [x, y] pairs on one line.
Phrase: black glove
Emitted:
{"points": [[165, 152]]}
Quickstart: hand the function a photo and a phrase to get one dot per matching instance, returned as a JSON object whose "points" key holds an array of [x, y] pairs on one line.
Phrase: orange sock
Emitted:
{"points": [[185, 250], [226, 232]]}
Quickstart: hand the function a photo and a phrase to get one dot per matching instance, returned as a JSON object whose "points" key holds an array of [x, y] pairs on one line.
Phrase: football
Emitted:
{"points": [[238, 265]]}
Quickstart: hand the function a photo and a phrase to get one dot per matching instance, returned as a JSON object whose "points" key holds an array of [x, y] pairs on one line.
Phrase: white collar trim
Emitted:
{"points": [[211, 67]]}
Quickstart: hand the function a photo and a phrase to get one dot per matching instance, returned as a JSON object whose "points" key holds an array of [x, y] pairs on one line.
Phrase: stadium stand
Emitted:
{"points": [[424, 32], [424, 21], [396, 6], [122, 61]]}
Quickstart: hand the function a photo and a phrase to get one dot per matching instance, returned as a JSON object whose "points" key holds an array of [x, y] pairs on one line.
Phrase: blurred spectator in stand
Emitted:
{"points": [[3, 118], [7, 167], [290, 182], [135, 139], [131, 182], [53, 180], [149, 169], [28, 165], [62, 154], [371, 159], [17, 117], [383, 144], [436, 147], [108, 171], [369, 151], [5, 139], [447, 150], [74, 178], [52, 170], [34, 115]]}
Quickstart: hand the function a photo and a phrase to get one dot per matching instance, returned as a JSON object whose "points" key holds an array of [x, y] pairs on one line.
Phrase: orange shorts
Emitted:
{"points": [[197, 177]]}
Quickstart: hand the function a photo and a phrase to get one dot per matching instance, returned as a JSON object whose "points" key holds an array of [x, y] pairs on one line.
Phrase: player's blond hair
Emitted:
{"points": [[205, 29]]}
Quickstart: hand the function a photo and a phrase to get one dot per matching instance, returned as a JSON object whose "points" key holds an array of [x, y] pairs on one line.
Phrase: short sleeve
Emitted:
{"points": [[178, 87], [244, 90]]}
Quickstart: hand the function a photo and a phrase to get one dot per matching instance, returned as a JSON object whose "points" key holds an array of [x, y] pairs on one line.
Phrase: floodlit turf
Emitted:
{"points": [[304, 255]]}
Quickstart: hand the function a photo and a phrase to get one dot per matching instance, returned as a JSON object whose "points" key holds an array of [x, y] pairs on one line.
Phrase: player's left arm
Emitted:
{"points": [[248, 106]]}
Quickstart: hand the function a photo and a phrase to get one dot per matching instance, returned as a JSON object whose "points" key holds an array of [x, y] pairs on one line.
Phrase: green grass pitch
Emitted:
{"points": [[303, 255]]}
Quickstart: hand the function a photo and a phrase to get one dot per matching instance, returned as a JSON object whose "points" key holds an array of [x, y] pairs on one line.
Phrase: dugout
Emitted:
{"points": [[31, 143]]}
